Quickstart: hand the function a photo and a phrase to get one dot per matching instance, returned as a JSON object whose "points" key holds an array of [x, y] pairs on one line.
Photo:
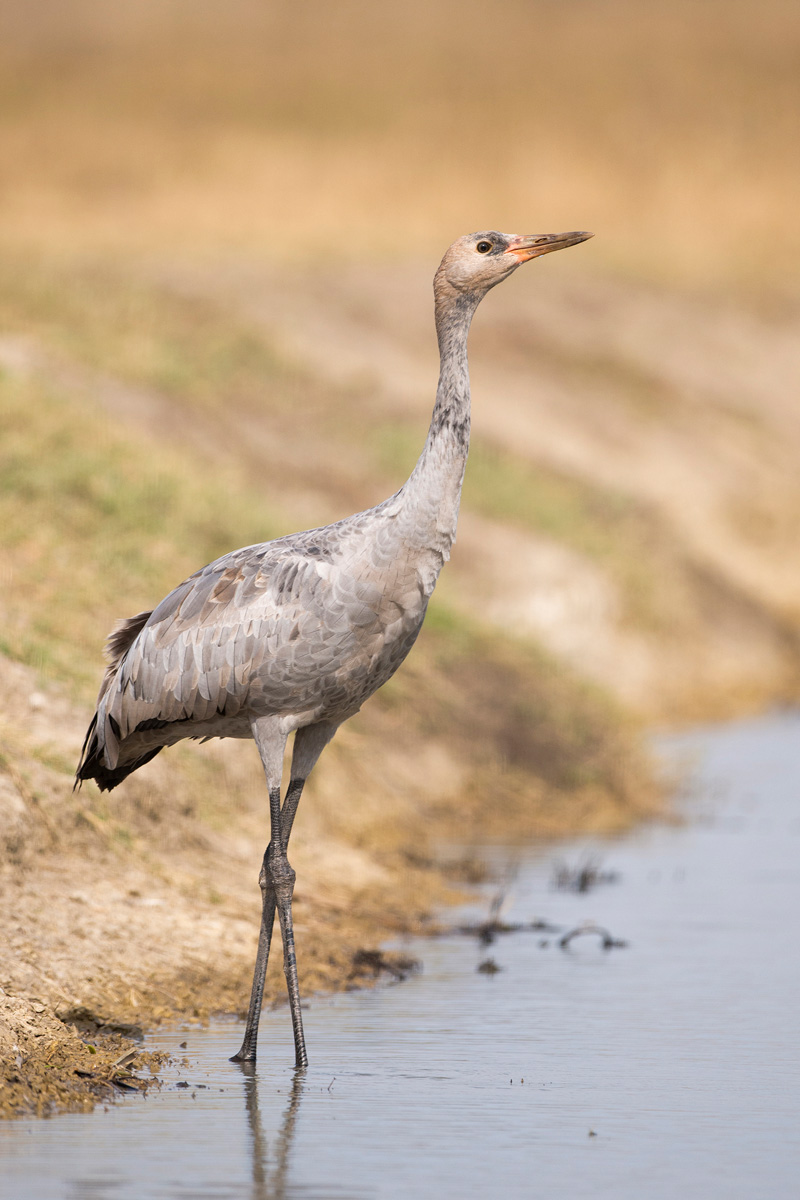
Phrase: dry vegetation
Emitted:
{"points": [[217, 230], [299, 129]]}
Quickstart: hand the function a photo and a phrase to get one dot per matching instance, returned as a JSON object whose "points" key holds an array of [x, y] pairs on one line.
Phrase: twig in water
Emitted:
{"points": [[606, 940]]}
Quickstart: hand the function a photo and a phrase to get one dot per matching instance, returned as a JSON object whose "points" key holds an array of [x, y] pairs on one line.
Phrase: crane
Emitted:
{"points": [[293, 635]]}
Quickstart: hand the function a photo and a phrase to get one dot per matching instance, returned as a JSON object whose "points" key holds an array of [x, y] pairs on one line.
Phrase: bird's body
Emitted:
{"points": [[303, 629], [293, 635]]}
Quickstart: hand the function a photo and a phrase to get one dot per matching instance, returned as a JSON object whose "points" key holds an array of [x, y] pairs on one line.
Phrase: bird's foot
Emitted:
{"points": [[243, 1056]]}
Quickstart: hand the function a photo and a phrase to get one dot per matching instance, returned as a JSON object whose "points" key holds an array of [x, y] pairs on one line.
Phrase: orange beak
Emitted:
{"points": [[533, 246]]}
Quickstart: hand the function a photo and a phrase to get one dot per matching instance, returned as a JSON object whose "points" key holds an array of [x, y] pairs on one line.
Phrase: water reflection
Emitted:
{"points": [[269, 1181]]}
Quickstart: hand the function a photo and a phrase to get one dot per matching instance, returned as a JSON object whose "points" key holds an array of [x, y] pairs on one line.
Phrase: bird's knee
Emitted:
{"points": [[281, 875]]}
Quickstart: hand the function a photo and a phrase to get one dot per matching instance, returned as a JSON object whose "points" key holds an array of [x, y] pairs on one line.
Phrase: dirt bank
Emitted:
{"points": [[65, 1063], [112, 926], [142, 907]]}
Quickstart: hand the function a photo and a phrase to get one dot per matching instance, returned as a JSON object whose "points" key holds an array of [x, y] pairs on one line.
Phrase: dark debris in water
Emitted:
{"points": [[582, 876], [579, 878], [488, 967], [369, 965], [607, 942], [487, 931]]}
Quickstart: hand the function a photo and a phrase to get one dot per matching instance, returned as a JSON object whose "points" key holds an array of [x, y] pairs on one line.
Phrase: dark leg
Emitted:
{"points": [[271, 742], [267, 883], [283, 878], [277, 877], [247, 1052]]}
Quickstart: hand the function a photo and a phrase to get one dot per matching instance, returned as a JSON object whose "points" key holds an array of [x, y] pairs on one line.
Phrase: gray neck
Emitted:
{"points": [[433, 492]]}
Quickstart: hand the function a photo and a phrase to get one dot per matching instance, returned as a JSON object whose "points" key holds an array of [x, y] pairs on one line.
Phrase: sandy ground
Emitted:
{"points": [[110, 931]]}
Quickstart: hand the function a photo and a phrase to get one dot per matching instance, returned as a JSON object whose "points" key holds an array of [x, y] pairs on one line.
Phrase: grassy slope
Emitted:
{"points": [[211, 368], [92, 513]]}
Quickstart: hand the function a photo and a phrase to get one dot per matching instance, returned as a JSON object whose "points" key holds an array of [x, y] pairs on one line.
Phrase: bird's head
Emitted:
{"points": [[477, 262]]}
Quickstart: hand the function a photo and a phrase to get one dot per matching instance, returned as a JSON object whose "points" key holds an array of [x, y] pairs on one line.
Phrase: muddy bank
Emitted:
{"points": [[66, 1062], [101, 949], [125, 911]]}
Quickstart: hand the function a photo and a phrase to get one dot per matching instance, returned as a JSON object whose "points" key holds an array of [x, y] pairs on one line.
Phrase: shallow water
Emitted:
{"points": [[664, 1068]]}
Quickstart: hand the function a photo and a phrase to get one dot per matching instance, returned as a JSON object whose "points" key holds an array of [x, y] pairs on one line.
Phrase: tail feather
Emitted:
{"points": [[118, 643], [92, 763], [92, 767]]}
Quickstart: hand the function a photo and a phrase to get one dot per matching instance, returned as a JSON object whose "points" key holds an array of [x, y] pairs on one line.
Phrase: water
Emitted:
{"points": [[669, 1067]]}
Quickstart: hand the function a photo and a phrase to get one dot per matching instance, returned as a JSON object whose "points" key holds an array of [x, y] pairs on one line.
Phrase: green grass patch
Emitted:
{"points": [[181, 346], [97, 523]]}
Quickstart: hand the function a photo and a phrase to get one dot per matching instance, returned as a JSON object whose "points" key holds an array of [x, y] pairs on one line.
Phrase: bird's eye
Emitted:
{"points": [[483, 247]]}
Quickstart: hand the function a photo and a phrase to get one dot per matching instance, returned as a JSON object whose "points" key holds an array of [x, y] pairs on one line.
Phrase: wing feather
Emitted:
{"points": [[270, 628], [217, 632]]}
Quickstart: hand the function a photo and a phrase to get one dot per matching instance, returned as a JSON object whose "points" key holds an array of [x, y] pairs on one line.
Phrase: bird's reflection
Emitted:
{"points": [[270, 1178]]}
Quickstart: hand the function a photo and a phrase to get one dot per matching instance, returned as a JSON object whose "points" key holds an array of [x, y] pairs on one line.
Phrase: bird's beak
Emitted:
{"points": [[525, 247]]}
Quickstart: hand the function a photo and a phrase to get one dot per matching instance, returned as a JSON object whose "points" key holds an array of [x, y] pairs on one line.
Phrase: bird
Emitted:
{"points": [[292, 636]]}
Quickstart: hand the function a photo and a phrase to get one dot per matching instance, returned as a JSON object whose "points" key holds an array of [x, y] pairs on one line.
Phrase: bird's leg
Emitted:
{"points": [[283, 877], [293, 794], [309, 743], [277, 877], [247, 1052], [268, 904], [271, 744]]}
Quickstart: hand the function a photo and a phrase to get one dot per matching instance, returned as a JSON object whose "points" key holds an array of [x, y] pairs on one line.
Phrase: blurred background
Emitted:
{"points": [[365, 131], [218, 227]]}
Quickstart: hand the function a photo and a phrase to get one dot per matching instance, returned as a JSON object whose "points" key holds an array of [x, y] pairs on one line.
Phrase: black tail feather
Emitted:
{"points": [[91, 765]]}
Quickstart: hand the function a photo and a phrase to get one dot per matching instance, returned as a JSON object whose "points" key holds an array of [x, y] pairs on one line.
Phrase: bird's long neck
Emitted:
{"points": [[433, 492]]}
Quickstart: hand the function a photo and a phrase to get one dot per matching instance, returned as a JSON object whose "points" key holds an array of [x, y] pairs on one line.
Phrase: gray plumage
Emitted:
{"points": [[304, 628], [293, 635]]}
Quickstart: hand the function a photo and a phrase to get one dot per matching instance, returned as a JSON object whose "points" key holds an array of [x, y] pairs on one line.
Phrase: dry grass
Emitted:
{"points": [[305, 130]]}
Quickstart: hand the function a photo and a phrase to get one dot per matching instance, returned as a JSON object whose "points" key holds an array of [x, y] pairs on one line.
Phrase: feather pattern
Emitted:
{"points": [[274, 629]]}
